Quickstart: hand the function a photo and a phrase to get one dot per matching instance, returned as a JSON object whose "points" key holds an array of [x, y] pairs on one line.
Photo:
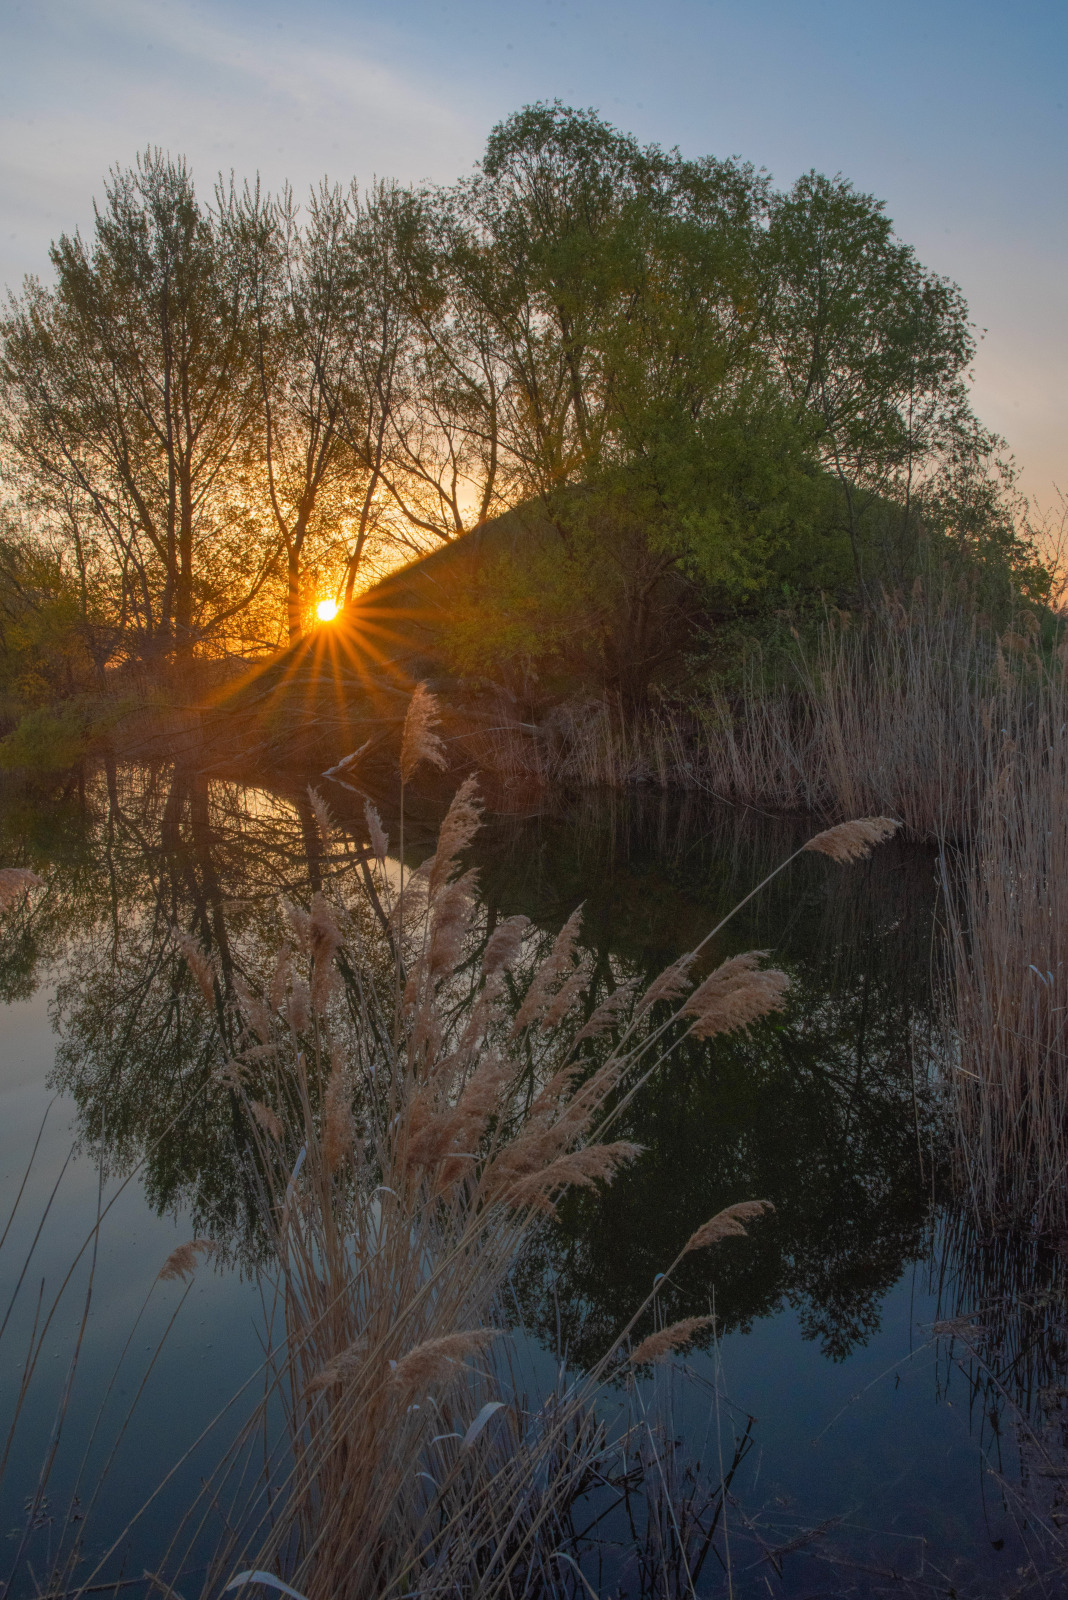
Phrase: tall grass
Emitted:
{"points": [[1007, 915], [420, 1090], [884, 714], [410, 1148]]}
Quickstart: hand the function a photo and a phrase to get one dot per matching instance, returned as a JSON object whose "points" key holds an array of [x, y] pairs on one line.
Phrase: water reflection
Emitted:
{"points": [[825, 1110]]}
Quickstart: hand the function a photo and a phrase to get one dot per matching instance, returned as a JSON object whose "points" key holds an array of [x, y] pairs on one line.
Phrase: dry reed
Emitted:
{"points": [[916, 710], [655, 1346], [183, 1261], [884, 715], [1007, 1003], [727, 1224], [419, 742]]}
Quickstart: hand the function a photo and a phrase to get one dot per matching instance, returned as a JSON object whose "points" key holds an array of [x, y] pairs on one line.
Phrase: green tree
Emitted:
{"points": [[872, 352], [634, 399]]}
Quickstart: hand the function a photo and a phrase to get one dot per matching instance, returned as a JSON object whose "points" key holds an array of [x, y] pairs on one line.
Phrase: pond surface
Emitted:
{"points": [[862, 1421]]}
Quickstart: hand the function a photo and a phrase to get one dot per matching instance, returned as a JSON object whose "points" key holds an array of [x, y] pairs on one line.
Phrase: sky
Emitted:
{"points": [[955, 114]]}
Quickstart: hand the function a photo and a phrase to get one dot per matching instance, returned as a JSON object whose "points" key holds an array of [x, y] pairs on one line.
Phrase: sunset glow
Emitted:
{"points": [[326, 610]]}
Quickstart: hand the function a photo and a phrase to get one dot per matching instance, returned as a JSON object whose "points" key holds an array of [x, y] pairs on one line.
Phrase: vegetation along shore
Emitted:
{"points": [[602, 468]]}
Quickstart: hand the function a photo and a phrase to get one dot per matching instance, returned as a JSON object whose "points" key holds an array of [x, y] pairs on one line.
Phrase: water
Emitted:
{"points": [[859, 1417]]}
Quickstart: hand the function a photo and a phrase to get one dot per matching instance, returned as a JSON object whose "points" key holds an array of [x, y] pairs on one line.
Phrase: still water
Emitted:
{"points": [[876, 1446]]}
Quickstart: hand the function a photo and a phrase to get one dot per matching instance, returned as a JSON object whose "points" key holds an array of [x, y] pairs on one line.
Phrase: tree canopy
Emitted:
{"points": [[711, 390]]}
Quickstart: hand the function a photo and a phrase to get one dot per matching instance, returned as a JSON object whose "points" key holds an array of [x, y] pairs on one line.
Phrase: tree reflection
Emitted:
{"points": [[824, 1111]]}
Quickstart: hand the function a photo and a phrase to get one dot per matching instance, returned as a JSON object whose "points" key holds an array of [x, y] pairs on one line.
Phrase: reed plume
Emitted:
{"points": [[655, 1346], [437, 1360], [183, 1261], [462, 821], [852, 841], [735, 995], [378, 836], [504, 944], [269, 1120], [555, 967], [322, 817], [727, 1224], [608, 1013], [338, 1131], [280, 978], [596, 1163], [345, 1364], [419, 742], [324, 939], [671, 984], [299, 1006], [197, 962]]}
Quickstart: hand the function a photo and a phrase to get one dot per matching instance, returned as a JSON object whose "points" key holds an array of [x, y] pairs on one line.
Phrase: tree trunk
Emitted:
{"points": [[293, 594], [183, 592]]}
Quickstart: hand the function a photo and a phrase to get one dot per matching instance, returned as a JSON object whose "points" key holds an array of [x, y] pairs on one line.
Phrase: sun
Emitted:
{"points": [[326, 610]]}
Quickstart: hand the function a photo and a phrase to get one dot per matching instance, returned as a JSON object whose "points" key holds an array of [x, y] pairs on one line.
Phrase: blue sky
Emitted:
{"points": [[956, 114]]}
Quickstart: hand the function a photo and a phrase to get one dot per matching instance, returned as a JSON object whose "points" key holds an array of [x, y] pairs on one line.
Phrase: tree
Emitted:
{"points": [[129, 391], [870, 347], [635, 400], [446, 471], [383, 225], [302, 287], [704, 389]]}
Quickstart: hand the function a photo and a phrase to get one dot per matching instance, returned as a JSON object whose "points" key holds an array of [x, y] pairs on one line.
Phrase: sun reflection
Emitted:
{"points": [[326, 610]]}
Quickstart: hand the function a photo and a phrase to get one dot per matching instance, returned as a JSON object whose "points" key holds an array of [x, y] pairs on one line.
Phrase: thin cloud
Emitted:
{"points": [[225, 98]]}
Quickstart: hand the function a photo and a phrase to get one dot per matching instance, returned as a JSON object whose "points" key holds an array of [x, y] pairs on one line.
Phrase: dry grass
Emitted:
{"points": [[885, 716], [421, 1092], [1007, 908], [918, 712]]}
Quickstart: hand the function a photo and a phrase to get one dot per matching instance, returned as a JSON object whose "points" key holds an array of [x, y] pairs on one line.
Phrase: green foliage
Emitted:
{"points": [[44, 646], [49, 740], [727, 400], [527, 621]]}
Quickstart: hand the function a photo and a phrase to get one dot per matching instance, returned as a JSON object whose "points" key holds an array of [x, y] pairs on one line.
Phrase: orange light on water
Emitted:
{"points": [[326, 610]]}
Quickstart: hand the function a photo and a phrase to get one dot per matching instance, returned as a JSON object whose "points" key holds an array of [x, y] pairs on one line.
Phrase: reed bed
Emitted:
{"points": [[431, 1144], [884, 715], [1006, 897]]}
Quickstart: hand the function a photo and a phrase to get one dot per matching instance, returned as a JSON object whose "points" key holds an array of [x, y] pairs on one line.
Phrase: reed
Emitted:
{"points": [[884, 714], [420, 1090], [1006, 896], [917, 710], [408, 1158], [423, 1119]]}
